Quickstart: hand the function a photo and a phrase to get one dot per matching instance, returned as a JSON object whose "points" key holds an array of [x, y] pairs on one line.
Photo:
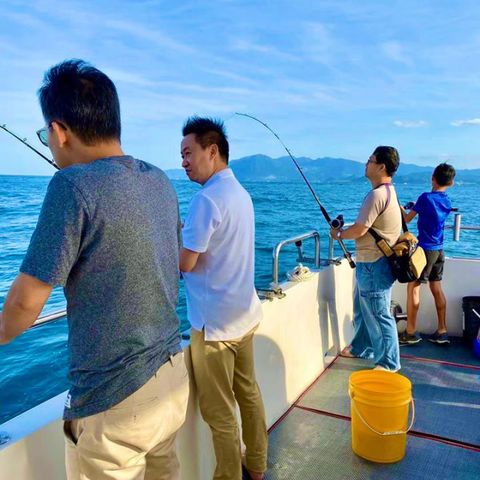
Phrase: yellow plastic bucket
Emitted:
{"points": [[379, 408]]}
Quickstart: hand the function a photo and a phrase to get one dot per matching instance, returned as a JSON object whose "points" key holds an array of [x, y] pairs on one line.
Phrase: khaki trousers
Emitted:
{"points": [[224, 374], [135, 439]]}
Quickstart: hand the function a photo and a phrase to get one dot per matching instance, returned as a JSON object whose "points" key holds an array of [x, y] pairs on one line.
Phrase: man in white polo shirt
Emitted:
{"points": [[217, 261]]}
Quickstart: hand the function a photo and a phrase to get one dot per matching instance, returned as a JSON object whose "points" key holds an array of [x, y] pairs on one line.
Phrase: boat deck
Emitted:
{"points": [[313, 440]]}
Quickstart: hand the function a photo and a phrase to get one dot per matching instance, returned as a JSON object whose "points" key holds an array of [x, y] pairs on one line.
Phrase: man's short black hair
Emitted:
{"points": [[444, 174], [85, 99], [389, 157], [208, 131]]}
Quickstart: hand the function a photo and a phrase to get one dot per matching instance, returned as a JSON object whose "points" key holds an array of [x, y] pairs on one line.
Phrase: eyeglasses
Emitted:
{"points": [[42, 134], [371, 161]]}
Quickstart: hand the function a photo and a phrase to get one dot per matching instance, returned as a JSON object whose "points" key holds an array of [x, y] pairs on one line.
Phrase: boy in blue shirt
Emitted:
{"points": [[432, 209]]}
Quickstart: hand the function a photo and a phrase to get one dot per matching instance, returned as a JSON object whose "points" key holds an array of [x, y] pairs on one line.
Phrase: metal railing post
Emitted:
{"points": [[457, 223], [49, 318], [330, 248], [317, 250], [276, 252]]}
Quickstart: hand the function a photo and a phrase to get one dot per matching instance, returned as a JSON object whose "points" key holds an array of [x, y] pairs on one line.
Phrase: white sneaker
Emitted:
{"points": [[379, 367]]}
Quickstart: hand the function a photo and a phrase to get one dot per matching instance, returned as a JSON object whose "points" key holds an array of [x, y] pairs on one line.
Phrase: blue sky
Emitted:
{"points": [[333, 78]]}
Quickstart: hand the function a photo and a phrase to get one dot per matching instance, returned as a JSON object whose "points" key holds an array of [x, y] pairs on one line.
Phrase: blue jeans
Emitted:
{"points": [[375, 329]]}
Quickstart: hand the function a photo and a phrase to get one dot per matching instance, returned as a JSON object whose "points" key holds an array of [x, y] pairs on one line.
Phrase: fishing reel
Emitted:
{"points": [[338, 222]]}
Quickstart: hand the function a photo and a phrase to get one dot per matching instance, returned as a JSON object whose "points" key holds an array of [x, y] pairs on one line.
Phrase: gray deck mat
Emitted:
{"points": [[309, 446], [447, 399], [455, 352]]}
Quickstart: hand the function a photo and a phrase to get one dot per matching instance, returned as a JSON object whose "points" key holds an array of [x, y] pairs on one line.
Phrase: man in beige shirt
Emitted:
{"points": [[375, 330]]}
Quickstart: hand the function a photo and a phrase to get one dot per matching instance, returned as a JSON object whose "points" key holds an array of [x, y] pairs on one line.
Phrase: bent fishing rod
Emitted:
{"points": [[346, 253], [24, 141]]}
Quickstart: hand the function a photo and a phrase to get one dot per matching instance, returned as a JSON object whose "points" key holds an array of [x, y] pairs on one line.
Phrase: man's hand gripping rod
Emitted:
{"points": [[346, 253]]}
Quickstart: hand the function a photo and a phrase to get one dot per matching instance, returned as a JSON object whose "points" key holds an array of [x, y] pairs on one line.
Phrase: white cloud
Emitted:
{"points": [[26, 20], [137, 80], [461, 123], [153, 36], [233, 76], [396, 52], [243, 45], [318, 43], [410, 123]]}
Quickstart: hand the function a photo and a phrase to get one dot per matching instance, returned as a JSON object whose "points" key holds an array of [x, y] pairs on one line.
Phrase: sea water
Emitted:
{"points": [[33, 367]]}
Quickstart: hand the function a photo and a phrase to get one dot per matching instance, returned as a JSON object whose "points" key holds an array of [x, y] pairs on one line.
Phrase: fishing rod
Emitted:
{"points": [[346, 253], [24, 141]]}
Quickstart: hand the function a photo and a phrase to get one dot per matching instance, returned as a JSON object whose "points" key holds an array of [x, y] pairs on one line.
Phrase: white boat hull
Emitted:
{"points": [[293, 345]]}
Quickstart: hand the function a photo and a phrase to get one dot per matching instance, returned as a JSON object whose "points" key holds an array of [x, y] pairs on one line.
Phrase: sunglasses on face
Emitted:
{"points": [[42, 134]]}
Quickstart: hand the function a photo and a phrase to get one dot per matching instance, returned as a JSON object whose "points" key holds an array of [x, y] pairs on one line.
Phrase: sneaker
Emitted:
{"points": [[440, 338], [405, 338], [384, 369]]}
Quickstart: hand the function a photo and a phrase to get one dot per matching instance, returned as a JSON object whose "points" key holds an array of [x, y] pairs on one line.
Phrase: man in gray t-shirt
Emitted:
{"points": [[375, 328], [109, 232]]}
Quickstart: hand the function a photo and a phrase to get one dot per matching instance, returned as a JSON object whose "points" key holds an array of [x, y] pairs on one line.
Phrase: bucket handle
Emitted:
{"points": [[384, 434]]}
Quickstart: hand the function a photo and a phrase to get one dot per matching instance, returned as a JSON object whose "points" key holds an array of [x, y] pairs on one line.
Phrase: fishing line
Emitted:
{"points": [[346, 253], [24, 141]]}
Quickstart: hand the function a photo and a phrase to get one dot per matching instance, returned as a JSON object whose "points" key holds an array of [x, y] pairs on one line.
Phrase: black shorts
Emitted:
{"points": [[433, 270]]}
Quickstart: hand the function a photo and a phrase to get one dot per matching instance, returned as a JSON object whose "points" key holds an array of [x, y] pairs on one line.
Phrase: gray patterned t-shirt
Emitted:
{"points": [[109, 233]]}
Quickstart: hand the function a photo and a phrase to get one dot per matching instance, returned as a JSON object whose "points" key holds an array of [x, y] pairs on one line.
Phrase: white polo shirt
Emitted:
{"points": [[221, 295]]}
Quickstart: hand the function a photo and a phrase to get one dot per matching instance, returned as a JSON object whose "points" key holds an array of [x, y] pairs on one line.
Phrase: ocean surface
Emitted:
{"points": [[33, 367]]}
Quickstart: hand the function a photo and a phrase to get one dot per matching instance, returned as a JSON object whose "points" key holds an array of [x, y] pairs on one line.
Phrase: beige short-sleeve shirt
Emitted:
{"points": [[387, 222]]}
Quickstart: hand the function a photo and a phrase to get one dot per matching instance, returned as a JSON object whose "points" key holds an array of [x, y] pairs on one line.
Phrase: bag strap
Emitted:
{"points": [[404, 223], [387, 186], [381, 243], [379, 240]]}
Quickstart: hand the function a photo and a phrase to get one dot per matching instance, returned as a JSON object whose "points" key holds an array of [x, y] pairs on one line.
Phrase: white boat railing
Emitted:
{"points": [[456, 227], [301, 257], [51, 317]]}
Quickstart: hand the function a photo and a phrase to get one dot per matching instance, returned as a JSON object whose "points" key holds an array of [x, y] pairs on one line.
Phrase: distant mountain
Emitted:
{"points": [[327, 169]]}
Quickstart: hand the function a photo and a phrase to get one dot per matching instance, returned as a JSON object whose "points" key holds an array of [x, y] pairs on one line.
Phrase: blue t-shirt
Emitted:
{"points": [[109, 232], [433, 209]]}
